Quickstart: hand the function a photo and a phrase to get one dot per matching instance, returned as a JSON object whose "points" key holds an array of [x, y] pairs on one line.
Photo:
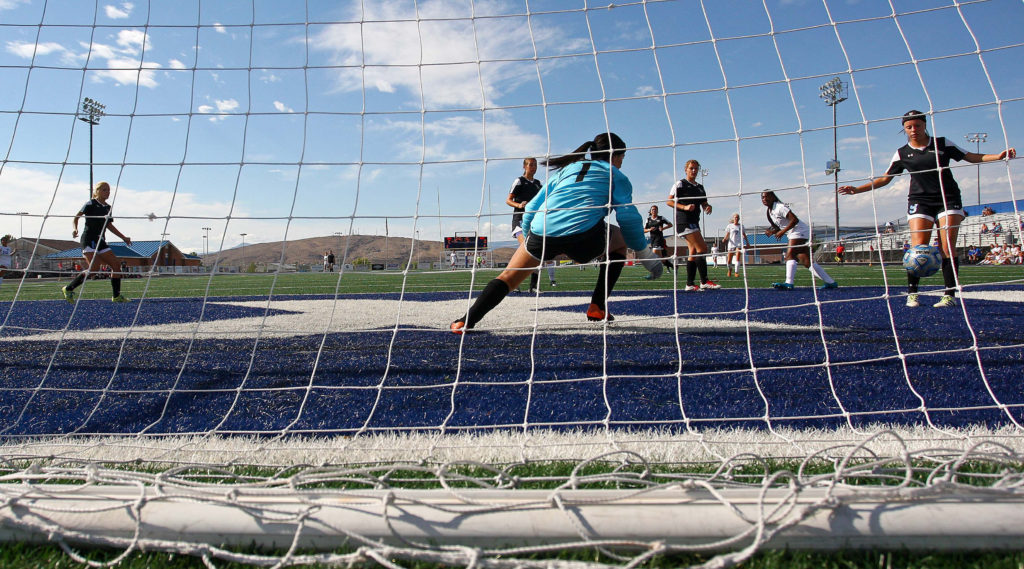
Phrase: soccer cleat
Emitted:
{"points": [[912, 300], [709, 285], [595, 314], [827, 286], [553, 284], [691, 288], [458, 326], [533, 291], [118, 298], [946, 300], [68, 294], [782, 286]]}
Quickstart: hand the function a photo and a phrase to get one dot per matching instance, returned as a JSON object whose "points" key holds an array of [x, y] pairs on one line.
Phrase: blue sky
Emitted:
{"points": [[243, 117]]}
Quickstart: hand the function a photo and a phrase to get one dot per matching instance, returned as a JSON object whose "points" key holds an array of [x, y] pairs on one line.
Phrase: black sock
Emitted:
{"points": [[534, 280], [491, 296], [702, 268], [912, 281], [79, 279], [949, 270], [115, 285], [691, 271], [613, 268]]}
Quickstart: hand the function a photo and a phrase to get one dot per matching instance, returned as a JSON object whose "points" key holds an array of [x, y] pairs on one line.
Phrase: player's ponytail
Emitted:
{"points": [[603, 147]]}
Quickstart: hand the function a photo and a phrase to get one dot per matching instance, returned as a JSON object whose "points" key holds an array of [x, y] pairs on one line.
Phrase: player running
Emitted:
{"points": [[97, 221], [688, 198], [934, 198], [735, 240], [784, 222], [567, 217]]}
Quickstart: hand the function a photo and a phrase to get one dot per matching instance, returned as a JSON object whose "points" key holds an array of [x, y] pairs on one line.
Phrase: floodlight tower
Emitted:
{"points": [[834, 92], [93, 111], [243, 248], [977, 138], [206, 240]]}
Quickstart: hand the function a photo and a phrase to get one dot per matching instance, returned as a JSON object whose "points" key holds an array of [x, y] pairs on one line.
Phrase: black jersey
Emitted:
{"points": [[925, 187], [97, 218], [523, 191], [686, 192], [655, 224]]}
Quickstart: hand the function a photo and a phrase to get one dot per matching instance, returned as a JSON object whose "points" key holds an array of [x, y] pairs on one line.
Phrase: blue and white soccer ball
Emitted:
{"points": [[922, 260]]}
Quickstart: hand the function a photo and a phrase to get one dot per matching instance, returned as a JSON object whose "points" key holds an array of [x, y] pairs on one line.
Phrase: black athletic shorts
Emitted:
{"points": [[91, 244], [581, 247], [658, 242]]}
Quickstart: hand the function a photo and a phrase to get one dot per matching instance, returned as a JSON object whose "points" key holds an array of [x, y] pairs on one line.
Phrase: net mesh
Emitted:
{"points": [[253, 383]]}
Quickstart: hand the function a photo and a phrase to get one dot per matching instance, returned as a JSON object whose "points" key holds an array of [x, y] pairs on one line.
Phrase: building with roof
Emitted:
{"points": [[140, 256]]}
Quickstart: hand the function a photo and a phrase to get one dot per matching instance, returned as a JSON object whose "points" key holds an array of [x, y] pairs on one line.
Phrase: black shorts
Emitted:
{"points": [[581, 247], [934, 211], [90, 244], [658, 242]]}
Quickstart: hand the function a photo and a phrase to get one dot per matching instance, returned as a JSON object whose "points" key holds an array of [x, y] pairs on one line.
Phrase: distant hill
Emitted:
{"points": [[346, 249]]}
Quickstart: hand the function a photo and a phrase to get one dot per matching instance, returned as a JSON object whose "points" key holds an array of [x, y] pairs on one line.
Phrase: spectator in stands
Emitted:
{"points": [[984, 228], [933, 200], [972, 254], [889, 227], [988, 211], [1014, 256], [841, 253], [997, 228]]}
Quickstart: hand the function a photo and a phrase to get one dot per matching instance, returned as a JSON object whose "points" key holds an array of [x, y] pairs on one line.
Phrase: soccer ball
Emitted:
{"points": [[922, 260]]}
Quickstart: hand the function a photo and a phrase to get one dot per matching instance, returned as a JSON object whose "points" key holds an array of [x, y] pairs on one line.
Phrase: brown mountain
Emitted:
{"points": [[346, 249]]}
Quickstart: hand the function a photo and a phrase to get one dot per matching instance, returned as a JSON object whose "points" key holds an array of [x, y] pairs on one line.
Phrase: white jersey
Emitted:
{"points": [[5, 256], [734, 235], [778, 213]]}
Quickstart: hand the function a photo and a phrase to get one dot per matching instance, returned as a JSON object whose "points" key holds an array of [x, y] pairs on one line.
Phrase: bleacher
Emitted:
{"points": [[891, 244]]}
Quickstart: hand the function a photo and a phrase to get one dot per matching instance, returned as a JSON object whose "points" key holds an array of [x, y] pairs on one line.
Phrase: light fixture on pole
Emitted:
{"points": [[977, 138], [834, 92], [93, 111], [206, 240], [243, 247]]}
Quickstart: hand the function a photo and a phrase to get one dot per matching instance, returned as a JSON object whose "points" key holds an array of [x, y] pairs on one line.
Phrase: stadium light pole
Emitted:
{"points": [[206, 240], [21, 224], [93, 110], [834, 92], [243, 247], [977, 138]]}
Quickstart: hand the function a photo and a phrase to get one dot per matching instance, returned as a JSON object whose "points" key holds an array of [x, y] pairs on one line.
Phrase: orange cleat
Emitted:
{"points": [[458, 326], [595, 314]]}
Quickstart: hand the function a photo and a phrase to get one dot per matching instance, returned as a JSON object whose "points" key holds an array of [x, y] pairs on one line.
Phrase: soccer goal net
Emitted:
{"points": [[276, 382]]}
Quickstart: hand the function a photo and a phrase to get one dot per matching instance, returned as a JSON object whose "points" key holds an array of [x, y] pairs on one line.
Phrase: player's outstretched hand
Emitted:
{"points": [[651, 262]]}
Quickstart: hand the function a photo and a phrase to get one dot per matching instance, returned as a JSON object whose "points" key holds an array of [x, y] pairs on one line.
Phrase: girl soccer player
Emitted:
{"points": [[735, 240], [567, 217], [656, 226], [5, 256], [783, 221], [688, 198], [94, 248], [523, 190], [934, 197]]}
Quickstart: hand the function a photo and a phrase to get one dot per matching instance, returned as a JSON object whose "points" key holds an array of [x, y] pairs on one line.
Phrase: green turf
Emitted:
{"points": [[570, 278]]}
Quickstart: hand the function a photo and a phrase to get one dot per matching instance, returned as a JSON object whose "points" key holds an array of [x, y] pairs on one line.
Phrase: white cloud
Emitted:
{"points": [[282, 108], [27, 49], [117, 13], [221, 107], [175, 64], [219, 28]]}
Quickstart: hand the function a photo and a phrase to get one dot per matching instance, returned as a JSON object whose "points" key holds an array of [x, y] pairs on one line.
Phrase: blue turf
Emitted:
{"points": [[623, 380]]}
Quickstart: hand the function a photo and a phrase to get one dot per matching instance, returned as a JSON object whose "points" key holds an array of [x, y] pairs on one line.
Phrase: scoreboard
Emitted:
{"points": [[458, 242]]}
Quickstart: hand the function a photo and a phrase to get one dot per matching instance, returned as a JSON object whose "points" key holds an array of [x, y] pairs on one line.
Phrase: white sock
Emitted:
{"points": [[551, 274], [791, 271], [820, 273], [736, 267]]}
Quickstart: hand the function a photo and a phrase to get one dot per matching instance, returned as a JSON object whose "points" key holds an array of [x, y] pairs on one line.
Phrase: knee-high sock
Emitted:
{"points": [[115, 285], [691, 271], [534, 280], [79, 279], [491, 296], [791, 271], [820, 273], [912, 281], [610, 271], [736, 265], [702, 269], [950, 268], [551, 273]]}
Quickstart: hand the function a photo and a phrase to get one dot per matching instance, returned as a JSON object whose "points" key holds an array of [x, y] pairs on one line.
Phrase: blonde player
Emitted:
{"points": [[735, 240]]}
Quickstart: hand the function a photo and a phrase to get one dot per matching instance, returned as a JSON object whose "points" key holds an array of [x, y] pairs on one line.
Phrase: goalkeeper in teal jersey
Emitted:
{"points": [[567, 217]]}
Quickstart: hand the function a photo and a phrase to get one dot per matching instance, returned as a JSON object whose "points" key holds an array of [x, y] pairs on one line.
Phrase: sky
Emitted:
{"points": [[287, 120]]}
